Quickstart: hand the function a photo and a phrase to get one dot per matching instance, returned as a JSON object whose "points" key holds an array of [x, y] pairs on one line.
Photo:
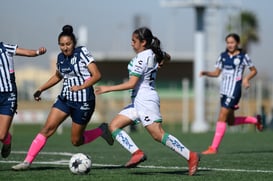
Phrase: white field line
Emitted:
{"points": [[65, 162]]}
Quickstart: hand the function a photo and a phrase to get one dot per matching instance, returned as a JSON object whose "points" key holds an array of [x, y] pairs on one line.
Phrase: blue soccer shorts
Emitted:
{"points": [[80, 112], [8, 103]]}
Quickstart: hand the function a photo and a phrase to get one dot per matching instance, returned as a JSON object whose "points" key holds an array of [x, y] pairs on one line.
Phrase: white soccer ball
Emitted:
{"points": [[80, 164]]}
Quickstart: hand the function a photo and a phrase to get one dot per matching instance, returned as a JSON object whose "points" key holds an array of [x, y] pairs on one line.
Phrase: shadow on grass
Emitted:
{"points": [[108, 167], [181, 172], [251, 152]]}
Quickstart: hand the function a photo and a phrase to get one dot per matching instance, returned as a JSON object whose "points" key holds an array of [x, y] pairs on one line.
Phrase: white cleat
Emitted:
{"points": [[21, 166]]}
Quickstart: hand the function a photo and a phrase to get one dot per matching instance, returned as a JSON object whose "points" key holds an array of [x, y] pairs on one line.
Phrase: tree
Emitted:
{"points": [[248, 27]]}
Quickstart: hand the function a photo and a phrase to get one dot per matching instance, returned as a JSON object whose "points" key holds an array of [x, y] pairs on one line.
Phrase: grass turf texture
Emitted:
{"points": [[242, 156]]}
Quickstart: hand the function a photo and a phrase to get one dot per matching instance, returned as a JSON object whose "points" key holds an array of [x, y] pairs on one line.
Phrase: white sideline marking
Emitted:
{"points": [[65, 162]]}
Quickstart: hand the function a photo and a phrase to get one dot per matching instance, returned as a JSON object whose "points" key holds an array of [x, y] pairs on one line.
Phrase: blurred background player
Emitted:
{"points": [[231, 64], [145, 106], [8, 90], [77, 68]]}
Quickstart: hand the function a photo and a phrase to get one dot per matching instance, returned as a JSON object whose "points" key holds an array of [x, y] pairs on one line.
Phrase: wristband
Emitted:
{"points": [[37, 52]]}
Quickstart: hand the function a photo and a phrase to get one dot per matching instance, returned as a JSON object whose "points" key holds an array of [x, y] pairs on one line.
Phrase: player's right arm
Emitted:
{"points": [[214, 73], [53, 80], [30, 53]]}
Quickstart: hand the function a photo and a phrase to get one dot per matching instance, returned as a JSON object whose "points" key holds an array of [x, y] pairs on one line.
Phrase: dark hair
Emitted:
{"points": [[68, 31], [152, 42], [235, 36]]}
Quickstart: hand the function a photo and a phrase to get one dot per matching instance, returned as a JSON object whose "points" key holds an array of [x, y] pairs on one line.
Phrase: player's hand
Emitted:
{"points": [[101, 89], [246, 83], [75, 88], [202, 73], [37, 95], [41, 50]]}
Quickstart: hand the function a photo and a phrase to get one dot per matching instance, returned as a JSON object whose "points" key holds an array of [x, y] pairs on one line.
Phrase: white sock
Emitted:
{"points": [[175, 145], [125, 140]]}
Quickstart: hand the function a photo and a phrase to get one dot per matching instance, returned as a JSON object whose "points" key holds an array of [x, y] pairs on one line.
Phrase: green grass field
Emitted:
{"points": [[242, 156]]}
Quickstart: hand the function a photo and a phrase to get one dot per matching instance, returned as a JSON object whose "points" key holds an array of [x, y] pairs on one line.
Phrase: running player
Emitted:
{"points": [[231, 65], [77, 68], [8, 90], [145, 106]]}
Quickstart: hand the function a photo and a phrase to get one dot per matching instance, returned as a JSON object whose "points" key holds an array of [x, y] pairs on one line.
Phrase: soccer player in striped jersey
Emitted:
{"points": [[76, 67], [8, 90], [145, 105], [231, 65]]}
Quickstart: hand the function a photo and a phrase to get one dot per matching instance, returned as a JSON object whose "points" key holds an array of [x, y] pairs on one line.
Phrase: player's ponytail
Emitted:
{"points": [[155, 46], [67, 30]]}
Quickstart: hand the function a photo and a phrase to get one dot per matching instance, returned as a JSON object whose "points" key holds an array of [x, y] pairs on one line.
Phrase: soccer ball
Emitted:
{"points": [[80, 164]]}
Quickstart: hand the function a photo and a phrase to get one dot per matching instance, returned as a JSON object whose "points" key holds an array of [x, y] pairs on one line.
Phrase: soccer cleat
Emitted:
{"points": [[209, 151], [259, 124], [137, 157], [193, 163], [106, 134], [21, 166], [5, 152]]}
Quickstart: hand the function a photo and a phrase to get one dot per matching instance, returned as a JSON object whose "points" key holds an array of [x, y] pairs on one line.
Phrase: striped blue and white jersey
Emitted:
{"points": [[144, 66], [75, 72], [7, 78], [232, 70]]}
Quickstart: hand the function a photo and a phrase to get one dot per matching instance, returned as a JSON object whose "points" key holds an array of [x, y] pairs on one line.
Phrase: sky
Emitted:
{"points": [[32, 24]]}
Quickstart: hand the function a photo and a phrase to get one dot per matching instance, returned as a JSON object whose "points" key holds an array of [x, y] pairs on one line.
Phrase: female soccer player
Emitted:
{"points": [[145, 101], [231, 64], [77, 68], [8, 90]]}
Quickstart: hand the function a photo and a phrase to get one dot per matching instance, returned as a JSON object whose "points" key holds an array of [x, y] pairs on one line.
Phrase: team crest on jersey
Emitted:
{"points": [[73, 60], [237, 61]]}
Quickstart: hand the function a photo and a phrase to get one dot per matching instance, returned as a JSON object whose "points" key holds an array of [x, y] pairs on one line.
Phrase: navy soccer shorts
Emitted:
{"points": [[8, 103], [80, 112], [230, 102]]}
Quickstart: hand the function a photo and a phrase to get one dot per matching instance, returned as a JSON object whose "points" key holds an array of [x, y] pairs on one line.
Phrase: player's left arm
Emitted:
{"points": [[248, 77], [130, 84], [30, 53], [96, 76]]}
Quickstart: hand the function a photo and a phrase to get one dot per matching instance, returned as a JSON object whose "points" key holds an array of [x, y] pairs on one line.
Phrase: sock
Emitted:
{"points": [[125, 140], [7, 139], [91, 135], [36, 146], [175, 145], [245, 120], [219, 134]]}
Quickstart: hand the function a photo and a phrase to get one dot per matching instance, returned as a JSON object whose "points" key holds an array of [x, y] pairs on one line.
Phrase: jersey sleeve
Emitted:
{"points": [[247, 61], [219, 63], [86, 56], [138, 67], [11, 49]]}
